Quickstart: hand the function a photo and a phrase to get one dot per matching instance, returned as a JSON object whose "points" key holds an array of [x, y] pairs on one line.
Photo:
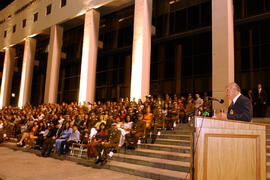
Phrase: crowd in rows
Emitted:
{"points": [[102, 127]]}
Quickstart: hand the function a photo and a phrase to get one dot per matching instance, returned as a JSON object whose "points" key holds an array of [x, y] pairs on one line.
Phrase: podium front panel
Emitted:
{"points": [[229, 150]]}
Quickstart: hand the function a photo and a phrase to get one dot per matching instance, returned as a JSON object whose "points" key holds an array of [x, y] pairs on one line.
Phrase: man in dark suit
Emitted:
{"points": [[260, 101], [240, 108]]}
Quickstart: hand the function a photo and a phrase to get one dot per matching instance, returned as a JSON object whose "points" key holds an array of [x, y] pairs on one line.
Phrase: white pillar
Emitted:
{"points": [[53, 64], [27, 71], [7, 76], [141, 50], [89, 57], [222, 49]]}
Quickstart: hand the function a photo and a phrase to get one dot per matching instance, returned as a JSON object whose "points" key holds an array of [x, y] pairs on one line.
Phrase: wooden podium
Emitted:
{"points": [[229, 150]]}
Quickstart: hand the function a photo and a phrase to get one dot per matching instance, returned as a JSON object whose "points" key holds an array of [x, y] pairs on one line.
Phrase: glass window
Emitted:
{"points": [[237, 4], [49, 9], [63, 3], [181, 20], [14, 29], [24, 23], [254, 7], [193, 17], [206, 14], [35, 17], [267, 5]]}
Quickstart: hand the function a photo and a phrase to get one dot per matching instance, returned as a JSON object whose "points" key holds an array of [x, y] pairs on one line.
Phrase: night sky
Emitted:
{"points": [[4, 3]]}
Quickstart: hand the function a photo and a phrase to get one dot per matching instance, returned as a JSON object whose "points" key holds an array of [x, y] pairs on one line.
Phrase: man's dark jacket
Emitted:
{"points": [[260, 98], [241, 110]]}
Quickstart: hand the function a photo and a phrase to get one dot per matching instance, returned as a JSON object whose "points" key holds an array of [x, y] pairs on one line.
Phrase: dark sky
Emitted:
{"points": [[4, 3]]}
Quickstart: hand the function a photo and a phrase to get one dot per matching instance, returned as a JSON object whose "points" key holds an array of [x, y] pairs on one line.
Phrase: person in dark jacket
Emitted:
{"points": [[260, 101], [240, 108], [49, 139], [111, 144]]}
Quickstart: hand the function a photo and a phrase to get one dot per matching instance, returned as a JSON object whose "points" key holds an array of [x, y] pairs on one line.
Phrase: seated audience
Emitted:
{"points": [[49, 139], [73, 138]]}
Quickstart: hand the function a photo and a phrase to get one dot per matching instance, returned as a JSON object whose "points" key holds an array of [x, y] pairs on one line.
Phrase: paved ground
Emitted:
{"points": [[17, 165]]}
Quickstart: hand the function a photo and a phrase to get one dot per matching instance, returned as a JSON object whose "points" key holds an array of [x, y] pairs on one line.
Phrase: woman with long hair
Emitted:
{"points": [[100, 137], [63, 136]]}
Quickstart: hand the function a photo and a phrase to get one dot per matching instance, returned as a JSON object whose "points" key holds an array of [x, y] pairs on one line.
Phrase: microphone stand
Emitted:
{"points": [[193, 140], [193, 143]]}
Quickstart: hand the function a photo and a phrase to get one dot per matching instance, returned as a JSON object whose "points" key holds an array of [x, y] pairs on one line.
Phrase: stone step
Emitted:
{"points": [[183, 126], [147, 172], [267, 157], [172, 142], [177, 131], [134, 169], [261, 120], [264, 121], [267, 149], [185, 157], [164, 155], [153, 162], [162, 147], [175, 136]]}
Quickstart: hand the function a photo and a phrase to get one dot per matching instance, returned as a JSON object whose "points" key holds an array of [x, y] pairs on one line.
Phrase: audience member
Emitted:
{"points": [[260, 101], [109, 145], [66, 132]]}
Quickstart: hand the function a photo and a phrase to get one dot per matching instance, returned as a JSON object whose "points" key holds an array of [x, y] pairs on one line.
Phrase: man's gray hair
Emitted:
{"points": [[234, 86]]}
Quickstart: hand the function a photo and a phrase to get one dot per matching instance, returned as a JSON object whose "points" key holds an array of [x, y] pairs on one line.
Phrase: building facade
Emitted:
{"points": [[65, 50]]}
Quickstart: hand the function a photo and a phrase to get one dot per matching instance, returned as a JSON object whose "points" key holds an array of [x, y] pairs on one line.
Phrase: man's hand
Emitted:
{"points": [[221, 116]]}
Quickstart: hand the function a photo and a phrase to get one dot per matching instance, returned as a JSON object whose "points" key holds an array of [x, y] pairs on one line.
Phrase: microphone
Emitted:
{"points": [[221, 101]]}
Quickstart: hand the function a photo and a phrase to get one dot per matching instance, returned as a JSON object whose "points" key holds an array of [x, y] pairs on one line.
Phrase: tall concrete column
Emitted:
{"points": [[7, 76], [141, 50], [222, 49], [27, 71], [89, 56], [53, 64]]}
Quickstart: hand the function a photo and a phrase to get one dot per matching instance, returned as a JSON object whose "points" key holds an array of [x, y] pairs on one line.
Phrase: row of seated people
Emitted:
{"points": [[104, 137]]}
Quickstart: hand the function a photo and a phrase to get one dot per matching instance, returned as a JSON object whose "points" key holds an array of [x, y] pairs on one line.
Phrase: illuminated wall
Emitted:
{"points": [[20, 10]]}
